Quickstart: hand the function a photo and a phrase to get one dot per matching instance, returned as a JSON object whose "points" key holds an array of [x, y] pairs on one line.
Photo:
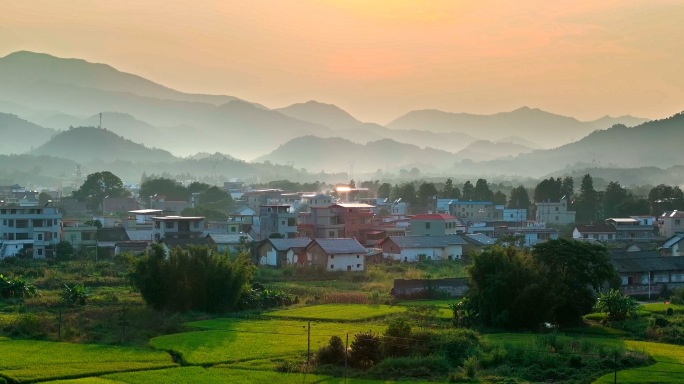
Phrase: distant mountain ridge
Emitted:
{"points": [[18, 135], [545, 128], [87, 144]]}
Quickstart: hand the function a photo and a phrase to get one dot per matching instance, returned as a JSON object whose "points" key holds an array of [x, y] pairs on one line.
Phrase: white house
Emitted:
{"points": [[337, 254], [279, 252], [417, 248]]}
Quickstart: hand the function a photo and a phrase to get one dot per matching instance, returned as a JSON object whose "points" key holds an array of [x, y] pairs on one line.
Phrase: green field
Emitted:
{"points": [[669, 366], [28, 361], [337, 312], [235, 340], [188, 375], [661, 307]]}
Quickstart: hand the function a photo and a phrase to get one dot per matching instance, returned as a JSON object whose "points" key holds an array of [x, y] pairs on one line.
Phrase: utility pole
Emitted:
{"points": [[308, 343]]}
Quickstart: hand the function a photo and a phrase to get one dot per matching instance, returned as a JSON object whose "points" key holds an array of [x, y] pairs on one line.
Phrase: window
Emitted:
{"points": [[232, 229], [358, 265], [331, 234], [10, 222], [169, 225], [40, 237], [678, 222], [427, 225], [22, 223], [196, 224], [282, 222], [332, 256], [72, 238], [40, 252], [358, 256], [22, 236], [38, 223], [332, 266]]}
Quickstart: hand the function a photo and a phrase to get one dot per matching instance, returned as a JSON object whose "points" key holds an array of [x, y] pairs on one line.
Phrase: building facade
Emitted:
{"points": [[33, 230]]}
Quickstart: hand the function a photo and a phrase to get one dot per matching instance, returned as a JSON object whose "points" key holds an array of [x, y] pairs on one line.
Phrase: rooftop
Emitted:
{"points": [[340, 246]]}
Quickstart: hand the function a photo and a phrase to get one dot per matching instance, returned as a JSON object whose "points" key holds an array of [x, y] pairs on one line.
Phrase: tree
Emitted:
{"points": [[587, 204], [365, 350], [613, 197], [616, 305], [65, 251], [333, 353], [44, 198], [665, 198], [214, 194], [384, 190], [468, 191], [171, 189], [482, 192], [16, 288], [396, 339], [449, 191], [202, 210], [578, 269], [519, 198], [406, 192], [75, 295], [499, 198], [548, 190], [99, 185], [93, 223], [426, 191], [567, 188], [196, 279]]}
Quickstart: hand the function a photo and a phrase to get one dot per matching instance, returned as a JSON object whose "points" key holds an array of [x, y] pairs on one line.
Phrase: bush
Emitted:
{"points": [[333, 353], [616, 305], [76, 295], [457, 345], [396, 339], [365, 350], [423, 367]]}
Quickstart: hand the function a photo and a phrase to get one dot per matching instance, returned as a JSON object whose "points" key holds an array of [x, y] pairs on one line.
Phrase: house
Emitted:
{"points": [[276, 218], [474, 211], [256, 198], [435, 224], [476, 242], [337, 221], [671, 222], [631, 229], [114, 205], [177, 227], [107, 238], [594, 232], [32, 229], [647, 272], [555, 213], [131, 246], [673, 246], [419, 248], [79, 235], [532, 235], [231, 242], [280, 252], [336, 254], [168, 206], [514, 215]]}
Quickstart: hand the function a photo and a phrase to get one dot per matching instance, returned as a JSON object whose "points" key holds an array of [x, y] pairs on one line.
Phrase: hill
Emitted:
{"points": [[87, 144], [482, 150], [545, 128], [654, 143], [18, 135], [335, 154], [328, 115]]}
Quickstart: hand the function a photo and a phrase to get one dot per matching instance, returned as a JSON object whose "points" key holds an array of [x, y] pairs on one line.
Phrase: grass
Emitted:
{"points": [[669, 366], [216, 376], [337, 312], [28, 361], [235, 340], [662, 307]]}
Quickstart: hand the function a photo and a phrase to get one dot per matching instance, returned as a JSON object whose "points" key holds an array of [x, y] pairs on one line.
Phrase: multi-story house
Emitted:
{"points": [[435, 224], [631, 229], [337, 221], [177, 227], [555, 213], [32, 229], [336, 254], [671, 222], [475, 211], [277, 219]]}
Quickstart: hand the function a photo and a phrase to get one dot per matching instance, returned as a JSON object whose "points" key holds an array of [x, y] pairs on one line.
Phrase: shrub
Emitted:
{"points": [[78, 294], [333, 353], [365, 351], [396, 339], [616, 305], [457, 345]]}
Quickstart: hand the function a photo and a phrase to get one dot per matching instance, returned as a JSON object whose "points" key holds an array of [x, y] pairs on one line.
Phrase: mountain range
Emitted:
{"points": [[52, 108]]}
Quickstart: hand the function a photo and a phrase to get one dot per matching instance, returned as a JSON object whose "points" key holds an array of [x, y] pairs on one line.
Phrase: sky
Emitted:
{"points": [[379, 59]]}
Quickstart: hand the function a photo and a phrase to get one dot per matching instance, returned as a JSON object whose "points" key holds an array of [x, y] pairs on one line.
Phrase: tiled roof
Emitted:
{"points": [[111, 234], [427, 241], [139, 235], [674, 213], [433, 216], [285, 244], [673, 240], [645, 264], [479, 239], [595, 228], [340, 246]]}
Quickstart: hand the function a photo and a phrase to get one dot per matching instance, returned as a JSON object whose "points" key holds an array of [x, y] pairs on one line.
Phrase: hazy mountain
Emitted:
{"points": [[18, 135], [122, 124], [328, 115], [519, 141], [545, 128], [654, 143], [338, 154], [87, 144], [24, 67], [482, 150]]}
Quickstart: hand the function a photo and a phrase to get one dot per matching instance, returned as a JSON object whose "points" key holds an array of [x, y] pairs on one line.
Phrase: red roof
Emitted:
{"points": [[433, 216]]}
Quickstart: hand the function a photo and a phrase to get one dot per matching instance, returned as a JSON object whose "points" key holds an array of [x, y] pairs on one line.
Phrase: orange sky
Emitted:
{"points": [[378, 61]]}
